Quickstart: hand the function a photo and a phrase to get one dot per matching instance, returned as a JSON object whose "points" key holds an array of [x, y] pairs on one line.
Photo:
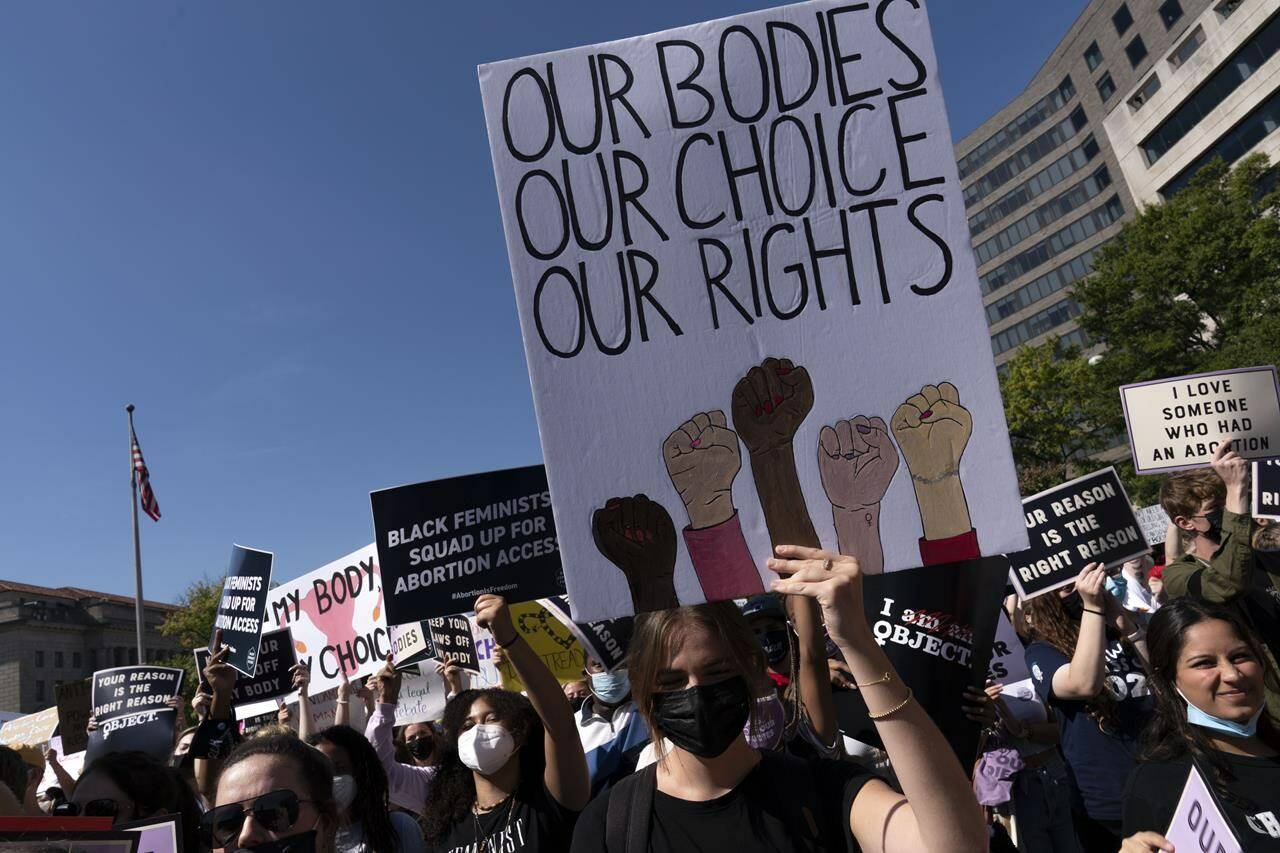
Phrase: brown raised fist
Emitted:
{"points": [[856, 460], [637, 536], [770, 402]]}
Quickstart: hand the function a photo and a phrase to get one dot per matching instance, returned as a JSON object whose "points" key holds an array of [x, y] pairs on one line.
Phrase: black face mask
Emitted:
{"points": [[775, 645], [1215, 524], [705, 719], [421, 748], [1074, 606], [576, 703], [303, 842]]}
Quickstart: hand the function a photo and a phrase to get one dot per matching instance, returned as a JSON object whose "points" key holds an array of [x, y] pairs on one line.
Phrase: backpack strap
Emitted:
{"points": [[629, 812]]}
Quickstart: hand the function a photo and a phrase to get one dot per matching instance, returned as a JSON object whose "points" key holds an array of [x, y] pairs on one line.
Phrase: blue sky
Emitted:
{"points": [[273, 227]]}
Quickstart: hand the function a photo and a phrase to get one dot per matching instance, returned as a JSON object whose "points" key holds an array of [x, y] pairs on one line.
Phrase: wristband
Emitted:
{"points": [[1091, 610], [507, 644]]}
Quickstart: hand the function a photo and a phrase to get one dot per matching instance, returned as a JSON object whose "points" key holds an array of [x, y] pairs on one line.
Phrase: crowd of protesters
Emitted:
{"points": [[719, 730]]}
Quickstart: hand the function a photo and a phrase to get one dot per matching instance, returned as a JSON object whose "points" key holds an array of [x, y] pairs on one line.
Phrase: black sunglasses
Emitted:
{"points": [[93, 808], [275, 811]]}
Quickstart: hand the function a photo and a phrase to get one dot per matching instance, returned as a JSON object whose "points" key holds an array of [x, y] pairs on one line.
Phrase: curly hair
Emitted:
{"points": [[154, 788], [1051, 623], [371, 807], [1168, 735], [453, 791]]}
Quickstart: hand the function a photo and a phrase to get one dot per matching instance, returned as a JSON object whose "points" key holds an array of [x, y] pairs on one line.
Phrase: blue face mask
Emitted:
{"points": [[1196, 717], [610, 687]]}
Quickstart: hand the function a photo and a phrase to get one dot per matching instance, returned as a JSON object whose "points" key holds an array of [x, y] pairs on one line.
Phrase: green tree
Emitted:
{"points": [[192, 625]]}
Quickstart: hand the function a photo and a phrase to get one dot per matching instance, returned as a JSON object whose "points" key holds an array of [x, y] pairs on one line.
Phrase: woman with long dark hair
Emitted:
{"points": [[1209, 674], [130, 786], [511, 775], [691, 673], [1087, 662], [366, 823]]}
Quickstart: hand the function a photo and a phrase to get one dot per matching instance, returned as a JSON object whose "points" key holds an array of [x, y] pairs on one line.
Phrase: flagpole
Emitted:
{"points": [[137, 543]]}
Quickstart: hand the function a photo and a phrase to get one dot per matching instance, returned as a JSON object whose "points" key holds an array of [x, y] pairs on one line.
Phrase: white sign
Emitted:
{"points": [[749, 303], [422, 697], [1008, 662], [1154, 523], [1178, 423], [1197, 824], [337, 616]]}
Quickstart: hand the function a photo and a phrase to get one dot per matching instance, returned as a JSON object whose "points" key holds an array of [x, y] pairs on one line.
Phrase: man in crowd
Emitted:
{"points": [[611, 729]]}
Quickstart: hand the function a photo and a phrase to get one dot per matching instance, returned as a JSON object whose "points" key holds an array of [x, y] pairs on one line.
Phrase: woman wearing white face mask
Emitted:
{"points": [[512, 776], [1208, 673], [365, 822]]}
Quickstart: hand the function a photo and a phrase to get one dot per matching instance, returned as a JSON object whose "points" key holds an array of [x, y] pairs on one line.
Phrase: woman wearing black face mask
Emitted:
{"points": [[409, 785], [712, 791]]}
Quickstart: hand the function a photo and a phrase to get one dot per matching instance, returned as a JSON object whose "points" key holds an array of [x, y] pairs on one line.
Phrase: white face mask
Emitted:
{"points": [[485, 748], [344, 791]]}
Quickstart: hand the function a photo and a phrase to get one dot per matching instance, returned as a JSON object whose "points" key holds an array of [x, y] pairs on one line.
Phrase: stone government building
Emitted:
{"points": [[51, 635]]}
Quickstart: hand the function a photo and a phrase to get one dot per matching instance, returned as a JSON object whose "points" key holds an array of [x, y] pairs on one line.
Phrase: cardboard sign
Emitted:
{"points": [[1088, 520], [453, 636], [276, 656], [74, 700], [243, 605], [606, 640], [422, 699], [748, 299], [936, 625], [157, 834], [1154, 523], [130, 689], [550, 640], [1266, 489], [443, 544], [149, 731], [1179, 423], [337, 617], [1008, 663], [32, 730], [1197, 822]]}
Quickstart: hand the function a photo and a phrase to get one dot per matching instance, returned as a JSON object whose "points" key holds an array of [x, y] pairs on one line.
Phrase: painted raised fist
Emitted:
{"points": [[932, 429], [637, 536], [770, 402], [856, 460], [702, 458]]}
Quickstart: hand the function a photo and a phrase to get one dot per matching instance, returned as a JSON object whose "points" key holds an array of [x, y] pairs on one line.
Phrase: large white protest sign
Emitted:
{"points": [[1178, 423], [1197, 822], [750, 309], [337, 616]]}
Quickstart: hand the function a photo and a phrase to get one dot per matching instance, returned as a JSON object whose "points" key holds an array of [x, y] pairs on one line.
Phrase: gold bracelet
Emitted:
{"points": [[887, 677], [895, 709]]}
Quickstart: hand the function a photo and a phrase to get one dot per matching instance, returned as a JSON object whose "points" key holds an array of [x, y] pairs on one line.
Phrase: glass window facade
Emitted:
{"points": [[1106, 87], [1123, 19], [1046, 285], [1233, 145], [1226, 7], [1052, 246], [1041, 182], [1017, 129], [1025, 157], [1037, 324], [1093, 56], [1136, 50], [1149, 88], [1188, 47], [1238, 68], [1170, 13], [1044, 215]]}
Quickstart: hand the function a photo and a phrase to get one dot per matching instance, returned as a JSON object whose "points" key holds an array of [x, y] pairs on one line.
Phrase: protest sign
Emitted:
{"points": [[242, 606], [74, 707], [276, 656], [1198, 823], [1087, 520], [453, 637], [410, 644], [443, 544], [336, 615], [65, 835], [936, 625], [1266, 489], [1178, 423], [32, 730], [606, 640], [550, 640], [149, 731], [129, 689], [1154, 523], [72, 762], [157, 834], [422, 698], [1008, 662], [708, 229]]}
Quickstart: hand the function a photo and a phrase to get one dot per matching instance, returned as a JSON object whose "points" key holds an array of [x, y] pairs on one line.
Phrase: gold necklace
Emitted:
{"points": [[475, 815]]}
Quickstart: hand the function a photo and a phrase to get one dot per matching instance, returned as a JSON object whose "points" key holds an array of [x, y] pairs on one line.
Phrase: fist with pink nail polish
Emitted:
{"points": [[702, 458]]}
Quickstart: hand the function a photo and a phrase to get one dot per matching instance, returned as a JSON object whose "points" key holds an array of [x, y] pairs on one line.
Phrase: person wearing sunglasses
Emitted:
{"points": [[130, 786], [275, 794]]}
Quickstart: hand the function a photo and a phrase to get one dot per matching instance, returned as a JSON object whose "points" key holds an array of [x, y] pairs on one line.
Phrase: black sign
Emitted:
{"points": [[451, 637], [1088, 520], [243, 606], [130, 689], [146, 731], [443, 544], [74, 700], [606, 640], [936, 625], [1266, 489], [273, 679]]}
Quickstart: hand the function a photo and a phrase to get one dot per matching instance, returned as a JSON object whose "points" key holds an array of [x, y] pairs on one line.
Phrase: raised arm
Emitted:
{"points": [[413, 782], [65, 779], [342, 712], [301, 683], [937, 810], [566, 776], [1083, 677]]}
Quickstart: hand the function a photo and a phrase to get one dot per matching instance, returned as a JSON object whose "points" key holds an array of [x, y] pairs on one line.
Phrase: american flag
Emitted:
{"points": [[148, 497]]}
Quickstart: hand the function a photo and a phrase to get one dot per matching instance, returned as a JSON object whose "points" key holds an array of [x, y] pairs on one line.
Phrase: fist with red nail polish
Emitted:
{"points": [[933, 429], [702, 458], [770, 403], [637, 535]]}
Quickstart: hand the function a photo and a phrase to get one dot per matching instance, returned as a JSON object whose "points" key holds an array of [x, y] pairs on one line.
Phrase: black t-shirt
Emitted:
{"points": [[736, 821], [1262, 602], [1152, 795], [532, 822]]}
